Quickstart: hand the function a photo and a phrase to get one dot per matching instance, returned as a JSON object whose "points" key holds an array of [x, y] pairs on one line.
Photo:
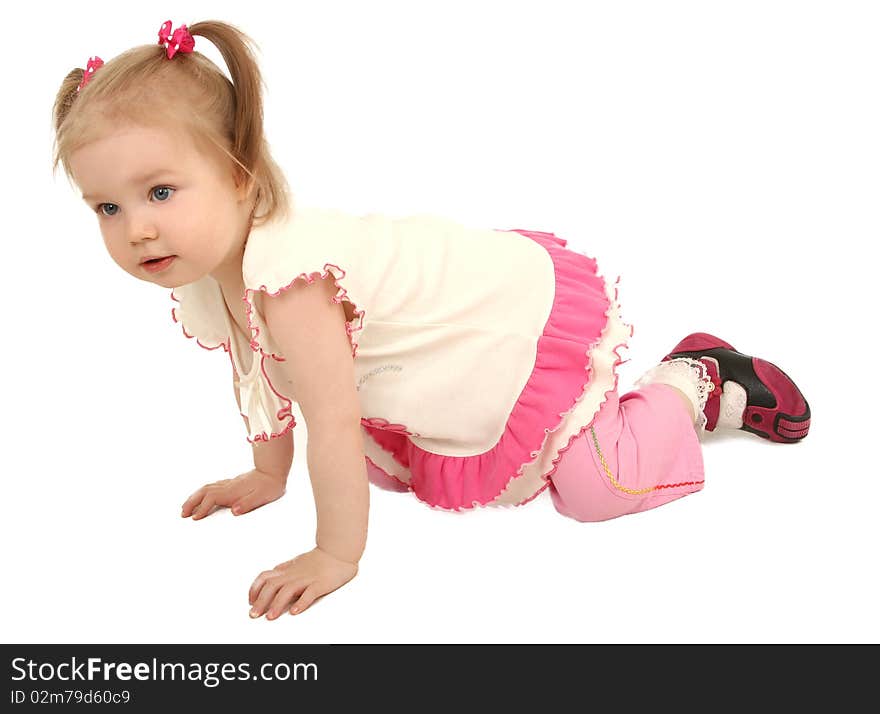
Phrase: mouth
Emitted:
{"points": [[155, 265]]}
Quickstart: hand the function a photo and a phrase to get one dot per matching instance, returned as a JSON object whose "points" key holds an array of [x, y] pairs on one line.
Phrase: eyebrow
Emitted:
{"points": [[143, 178]]}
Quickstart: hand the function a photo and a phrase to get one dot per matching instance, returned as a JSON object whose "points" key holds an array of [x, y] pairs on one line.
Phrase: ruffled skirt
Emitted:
{"points": [[575, 369]]}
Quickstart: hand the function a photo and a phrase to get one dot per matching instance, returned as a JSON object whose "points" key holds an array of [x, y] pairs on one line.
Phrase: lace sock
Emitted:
{"points": [[689, 376], [732, 399]]}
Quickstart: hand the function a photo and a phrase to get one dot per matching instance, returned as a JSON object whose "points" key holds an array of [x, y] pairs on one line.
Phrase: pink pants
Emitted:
{"points": [[649, 445], [651, 448]]}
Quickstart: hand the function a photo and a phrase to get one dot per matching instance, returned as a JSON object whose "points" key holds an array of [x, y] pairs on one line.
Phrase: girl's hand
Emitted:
{"points": [[243, 493], [297, 583]]}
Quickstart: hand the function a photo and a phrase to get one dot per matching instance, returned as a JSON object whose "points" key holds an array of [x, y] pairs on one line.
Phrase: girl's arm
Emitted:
{"points": [[275, 457], [310, 330]]}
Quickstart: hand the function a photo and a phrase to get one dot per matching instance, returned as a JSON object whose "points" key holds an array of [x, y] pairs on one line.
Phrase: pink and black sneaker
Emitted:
{"points": [[750, 393]]}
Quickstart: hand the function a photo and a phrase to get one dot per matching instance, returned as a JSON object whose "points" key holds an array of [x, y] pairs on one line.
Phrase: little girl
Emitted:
{"points": [[470, 366]]}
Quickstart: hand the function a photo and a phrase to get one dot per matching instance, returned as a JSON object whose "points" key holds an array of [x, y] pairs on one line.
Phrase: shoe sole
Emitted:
{"points": [[754, 374]]}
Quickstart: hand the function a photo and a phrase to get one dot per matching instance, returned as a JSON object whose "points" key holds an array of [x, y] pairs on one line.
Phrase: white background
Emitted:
{"points": [[722, 158]]}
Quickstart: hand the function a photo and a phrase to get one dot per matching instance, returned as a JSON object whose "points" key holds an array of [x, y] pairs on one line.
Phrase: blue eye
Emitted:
{"points": [[100, 207]]}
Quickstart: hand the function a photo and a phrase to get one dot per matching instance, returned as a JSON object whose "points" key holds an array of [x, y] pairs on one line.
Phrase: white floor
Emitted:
{"points": [[723, 163]]}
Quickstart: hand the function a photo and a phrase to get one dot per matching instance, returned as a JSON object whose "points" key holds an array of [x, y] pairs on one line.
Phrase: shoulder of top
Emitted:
{"points": [[307, 223], [293, 243]]}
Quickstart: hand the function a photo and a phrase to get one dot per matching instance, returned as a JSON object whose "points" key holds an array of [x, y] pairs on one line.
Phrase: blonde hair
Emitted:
{"points": [[143, 87]]}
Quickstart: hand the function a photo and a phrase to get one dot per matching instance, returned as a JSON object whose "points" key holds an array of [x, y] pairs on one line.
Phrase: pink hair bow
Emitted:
{"points": [[95, 63], [180, 40]]}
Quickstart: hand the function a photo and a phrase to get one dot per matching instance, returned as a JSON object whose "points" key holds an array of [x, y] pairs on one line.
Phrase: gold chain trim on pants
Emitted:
{"points": [[614, 481]]}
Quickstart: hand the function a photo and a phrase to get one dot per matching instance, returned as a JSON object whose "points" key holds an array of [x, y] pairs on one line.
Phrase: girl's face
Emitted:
{"points": [[155, 195]]}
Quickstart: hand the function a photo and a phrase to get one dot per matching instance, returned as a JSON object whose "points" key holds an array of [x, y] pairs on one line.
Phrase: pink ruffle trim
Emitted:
{"points": [[224, 345], [284, 413], [561, 373], [556, 459], [341, 294]]}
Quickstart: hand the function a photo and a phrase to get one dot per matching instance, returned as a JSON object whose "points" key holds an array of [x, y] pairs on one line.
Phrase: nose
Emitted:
{"points": [[140, 229]]}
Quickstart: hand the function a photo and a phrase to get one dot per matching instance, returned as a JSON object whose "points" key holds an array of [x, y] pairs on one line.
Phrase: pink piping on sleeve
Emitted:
{"points": [[224, 345], [308, 278], [255, 345], [284, 413]]}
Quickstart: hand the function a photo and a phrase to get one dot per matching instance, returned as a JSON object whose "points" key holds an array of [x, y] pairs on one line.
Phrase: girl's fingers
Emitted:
{"points": [[270, 586], [226, 494], [257, 585], [191, 502], [310, 594], [263, 577], [220, 493], [282, 600], [204, 508], [248, 502]]}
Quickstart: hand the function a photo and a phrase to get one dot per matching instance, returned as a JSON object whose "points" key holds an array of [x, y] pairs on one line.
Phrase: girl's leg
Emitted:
{"points": [[642, 450]]}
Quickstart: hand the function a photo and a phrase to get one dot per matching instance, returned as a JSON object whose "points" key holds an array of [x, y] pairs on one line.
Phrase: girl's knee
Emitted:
{"points": [[623, 466], [585, 511]]}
